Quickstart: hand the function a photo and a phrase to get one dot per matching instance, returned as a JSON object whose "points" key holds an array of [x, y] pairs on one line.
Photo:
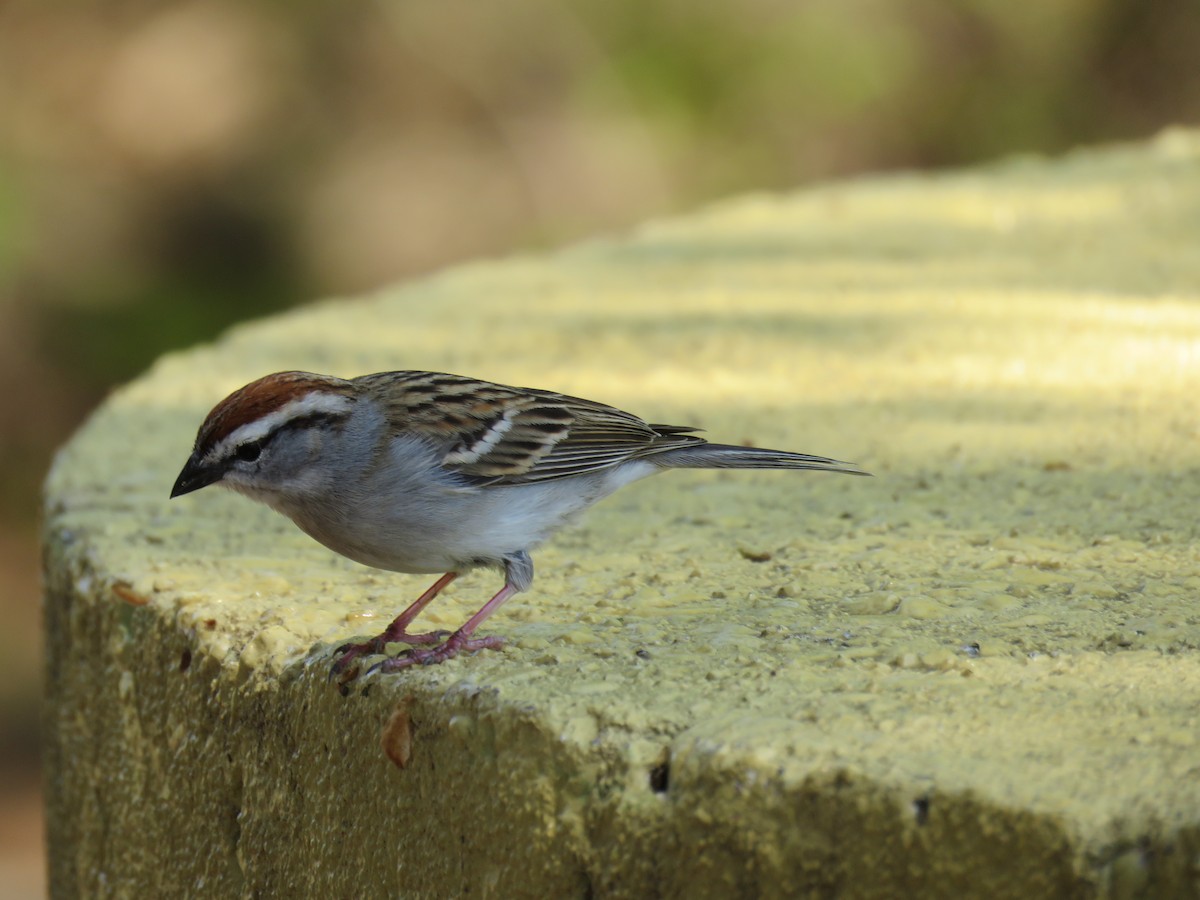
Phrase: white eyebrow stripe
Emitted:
{"points": [[481, 447], [314, 403]]}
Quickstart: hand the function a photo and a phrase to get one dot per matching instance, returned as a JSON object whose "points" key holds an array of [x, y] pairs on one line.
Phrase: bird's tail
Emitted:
{"points": [[703, 455]]}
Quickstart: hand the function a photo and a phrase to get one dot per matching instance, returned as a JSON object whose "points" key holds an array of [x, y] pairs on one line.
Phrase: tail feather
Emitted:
{"points": [[703, 455]]}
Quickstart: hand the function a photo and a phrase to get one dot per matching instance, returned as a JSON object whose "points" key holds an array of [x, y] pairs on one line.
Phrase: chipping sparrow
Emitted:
{"points": [[427, 472]]}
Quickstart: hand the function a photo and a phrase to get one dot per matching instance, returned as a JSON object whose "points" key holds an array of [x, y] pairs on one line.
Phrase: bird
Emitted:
{"points": [[428, 472]]}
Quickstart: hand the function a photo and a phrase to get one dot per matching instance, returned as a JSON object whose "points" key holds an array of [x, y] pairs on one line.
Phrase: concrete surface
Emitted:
{"points": [[975, 674]]}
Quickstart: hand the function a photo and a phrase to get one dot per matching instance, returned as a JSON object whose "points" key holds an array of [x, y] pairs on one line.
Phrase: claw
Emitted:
{"points": [[396, 633], [454, 645], [342, 678], [351, 651]]}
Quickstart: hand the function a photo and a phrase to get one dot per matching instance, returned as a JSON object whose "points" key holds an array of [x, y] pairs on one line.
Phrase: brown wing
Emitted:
{"points": [[508, 435], [600, 437]]}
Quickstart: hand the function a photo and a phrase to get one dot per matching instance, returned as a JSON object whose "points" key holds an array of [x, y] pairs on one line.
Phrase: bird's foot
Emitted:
{"points": [[348, 653], [455, 644]]}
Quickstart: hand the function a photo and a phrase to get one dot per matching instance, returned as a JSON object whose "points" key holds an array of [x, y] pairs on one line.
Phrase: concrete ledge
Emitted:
{"points": [[974, 675]]}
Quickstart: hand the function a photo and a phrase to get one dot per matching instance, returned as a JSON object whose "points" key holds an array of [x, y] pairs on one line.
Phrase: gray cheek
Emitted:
{"points": [[299, 462]]}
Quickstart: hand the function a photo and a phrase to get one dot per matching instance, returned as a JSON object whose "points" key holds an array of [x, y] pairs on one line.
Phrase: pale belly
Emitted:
{"points": [[439, 528]]}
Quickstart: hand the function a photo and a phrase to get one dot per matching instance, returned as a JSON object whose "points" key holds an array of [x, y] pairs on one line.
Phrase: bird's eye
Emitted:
{"points": [[249, 452]]}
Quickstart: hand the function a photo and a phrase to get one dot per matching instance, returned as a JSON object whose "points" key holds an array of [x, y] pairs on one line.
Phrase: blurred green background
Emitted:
{"points": [[167, 169]]}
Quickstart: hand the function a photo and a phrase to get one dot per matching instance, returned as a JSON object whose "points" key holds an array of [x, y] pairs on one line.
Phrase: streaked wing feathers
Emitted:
{"points": [[506, 435]]}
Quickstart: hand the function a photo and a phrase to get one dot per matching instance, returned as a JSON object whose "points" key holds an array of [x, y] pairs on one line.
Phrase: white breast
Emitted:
{"points": [[408, 517]]}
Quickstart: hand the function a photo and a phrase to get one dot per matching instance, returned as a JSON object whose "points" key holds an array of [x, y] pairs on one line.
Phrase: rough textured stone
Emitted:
{"points": [[975, 674]]}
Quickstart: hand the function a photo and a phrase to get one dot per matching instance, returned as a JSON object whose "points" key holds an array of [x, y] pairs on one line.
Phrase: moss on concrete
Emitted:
{"points": [[976, 674]]}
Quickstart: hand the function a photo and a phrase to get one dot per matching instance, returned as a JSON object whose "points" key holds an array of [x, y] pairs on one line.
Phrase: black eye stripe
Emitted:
{"points": [[313, 419], [252, 450]]}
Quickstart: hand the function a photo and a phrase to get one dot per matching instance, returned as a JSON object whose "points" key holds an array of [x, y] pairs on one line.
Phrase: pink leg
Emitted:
{"points": [[457, 642], [397, 632]]}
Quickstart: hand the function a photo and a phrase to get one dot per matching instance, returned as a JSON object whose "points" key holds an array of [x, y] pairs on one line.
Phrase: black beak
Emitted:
{"points": [[194, 476]]}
